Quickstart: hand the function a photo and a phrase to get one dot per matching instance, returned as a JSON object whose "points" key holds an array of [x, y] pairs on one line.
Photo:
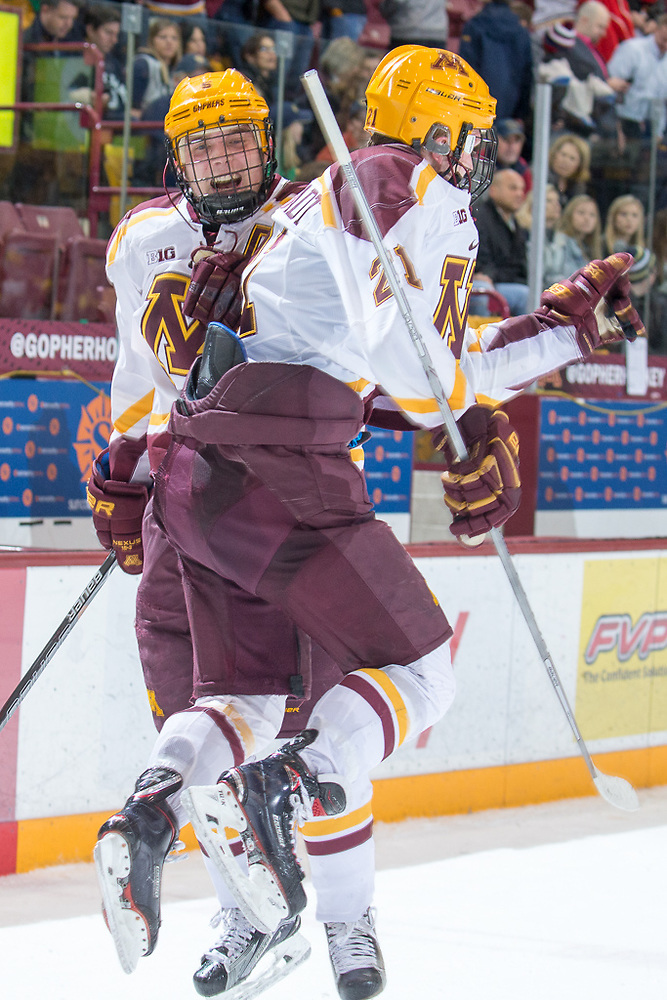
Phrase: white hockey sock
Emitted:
{"points": [[372, 712], [225, 898], [341, 854], [214, 735]]}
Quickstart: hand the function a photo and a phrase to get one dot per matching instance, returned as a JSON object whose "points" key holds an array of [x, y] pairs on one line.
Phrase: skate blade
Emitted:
{"points": [[284, 959], [126, 926], [212, 808]]}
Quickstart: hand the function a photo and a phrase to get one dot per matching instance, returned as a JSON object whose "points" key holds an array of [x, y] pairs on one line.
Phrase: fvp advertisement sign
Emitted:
{"points": [[622, 675]]}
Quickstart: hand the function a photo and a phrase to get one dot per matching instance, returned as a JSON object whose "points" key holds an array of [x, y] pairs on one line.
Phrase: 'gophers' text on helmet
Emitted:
{"points": [[220, 145], [431, 98]]}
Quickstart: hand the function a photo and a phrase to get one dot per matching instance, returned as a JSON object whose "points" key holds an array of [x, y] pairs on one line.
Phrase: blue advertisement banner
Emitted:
{"points": [[50, 431], [603, 455], [388, 470]]}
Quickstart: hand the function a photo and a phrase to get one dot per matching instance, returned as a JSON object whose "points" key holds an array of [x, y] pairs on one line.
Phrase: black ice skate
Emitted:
{"points": [[263, 801], [129, 854], [244, 962], [356, 958]]}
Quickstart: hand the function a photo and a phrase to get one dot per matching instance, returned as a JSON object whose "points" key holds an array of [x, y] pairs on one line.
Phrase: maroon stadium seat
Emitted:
{"points": [[10, 220], [85, 289], [29, 265], [50, 220]]}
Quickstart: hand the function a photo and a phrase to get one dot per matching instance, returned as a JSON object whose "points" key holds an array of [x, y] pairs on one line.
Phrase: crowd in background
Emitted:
{"points": [[606, 61]]}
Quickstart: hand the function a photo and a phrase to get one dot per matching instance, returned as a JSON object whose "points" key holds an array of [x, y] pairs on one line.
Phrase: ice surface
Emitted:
{"points": [[541, 917]]}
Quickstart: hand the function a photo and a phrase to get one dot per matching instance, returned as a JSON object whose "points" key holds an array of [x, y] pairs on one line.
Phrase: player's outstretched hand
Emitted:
{"points": [[483, 491], [596, 301], [214, 294], [118, 510]]}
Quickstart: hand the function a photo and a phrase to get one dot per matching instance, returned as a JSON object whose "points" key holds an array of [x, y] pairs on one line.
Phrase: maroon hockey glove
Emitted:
{"points": [[214, 294], [118, 510], [483, 491], [596, 301]]}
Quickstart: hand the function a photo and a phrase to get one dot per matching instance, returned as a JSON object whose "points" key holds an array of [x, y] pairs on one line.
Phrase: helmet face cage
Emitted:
{"points": [[224, 171], [480, 147]]}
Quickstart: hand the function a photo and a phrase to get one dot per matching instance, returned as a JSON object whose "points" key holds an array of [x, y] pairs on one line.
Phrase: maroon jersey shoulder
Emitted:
{"points": [[384, 173]]}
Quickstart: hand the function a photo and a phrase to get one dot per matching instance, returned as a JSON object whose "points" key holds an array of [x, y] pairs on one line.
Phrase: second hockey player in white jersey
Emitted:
{"points": [[222, 219], [276, 510]]}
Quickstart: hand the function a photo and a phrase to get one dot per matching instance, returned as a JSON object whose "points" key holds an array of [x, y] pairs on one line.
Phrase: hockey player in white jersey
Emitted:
{"points": [[276, 511], [221, 148]]}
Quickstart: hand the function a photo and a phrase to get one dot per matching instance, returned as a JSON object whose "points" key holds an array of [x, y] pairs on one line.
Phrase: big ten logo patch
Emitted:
{"points": [[93, 433], [159, 256], [622, 669]]}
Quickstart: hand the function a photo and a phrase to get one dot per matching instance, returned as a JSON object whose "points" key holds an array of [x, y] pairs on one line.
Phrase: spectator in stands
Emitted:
{"points": [[343, 19], [642, 62], [56, 22], [182, 11], [624, 225], [511, 138], [495, 44], [569, 165], [342, 67], [102, 29], [354, 134], [154, 63], [420, 22], [36, 172], [581, 220], [502, 259], [236, 16], [298, 18], [193, 40], [619, 27], [562, 255], [642, 276], [523, 11], [230, 11], [259, 62], [292, 153], [592, 88], [591, 23], [150, 171]]}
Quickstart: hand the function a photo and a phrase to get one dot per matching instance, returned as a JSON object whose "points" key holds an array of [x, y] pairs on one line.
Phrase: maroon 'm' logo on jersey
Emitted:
{"points": [[450, 317], [175, 342]]}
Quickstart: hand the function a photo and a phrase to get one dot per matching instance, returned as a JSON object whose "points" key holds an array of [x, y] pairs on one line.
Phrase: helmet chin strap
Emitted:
{"points": [[442, 164]]}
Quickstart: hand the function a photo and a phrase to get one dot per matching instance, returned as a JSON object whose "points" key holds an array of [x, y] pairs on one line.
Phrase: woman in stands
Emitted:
{"points": [[581, 220], [154, 63], [569, 166], [624, 224]]}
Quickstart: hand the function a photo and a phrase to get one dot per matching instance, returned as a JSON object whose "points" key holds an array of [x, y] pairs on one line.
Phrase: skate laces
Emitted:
{"points": [[353, 945], [233, 936]]}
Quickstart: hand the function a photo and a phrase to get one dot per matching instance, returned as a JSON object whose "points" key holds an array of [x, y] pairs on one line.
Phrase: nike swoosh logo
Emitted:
{"points": [[473, 245]]}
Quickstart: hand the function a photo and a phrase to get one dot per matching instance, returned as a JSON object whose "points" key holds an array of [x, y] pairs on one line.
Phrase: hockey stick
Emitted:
{"points": [[56, 640], [616, 791]]}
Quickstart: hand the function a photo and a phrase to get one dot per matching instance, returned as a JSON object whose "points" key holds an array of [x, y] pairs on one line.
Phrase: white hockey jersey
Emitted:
{"points": [[148, 263], [316, 293]]}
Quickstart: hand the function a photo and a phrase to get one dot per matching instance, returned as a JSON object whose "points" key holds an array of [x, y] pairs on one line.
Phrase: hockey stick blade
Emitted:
{"points": [[617, 791], [56, 640]]}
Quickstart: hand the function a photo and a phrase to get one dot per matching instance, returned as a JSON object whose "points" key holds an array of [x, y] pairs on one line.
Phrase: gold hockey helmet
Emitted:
{"points": [[431, 98], [220, 145]]}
